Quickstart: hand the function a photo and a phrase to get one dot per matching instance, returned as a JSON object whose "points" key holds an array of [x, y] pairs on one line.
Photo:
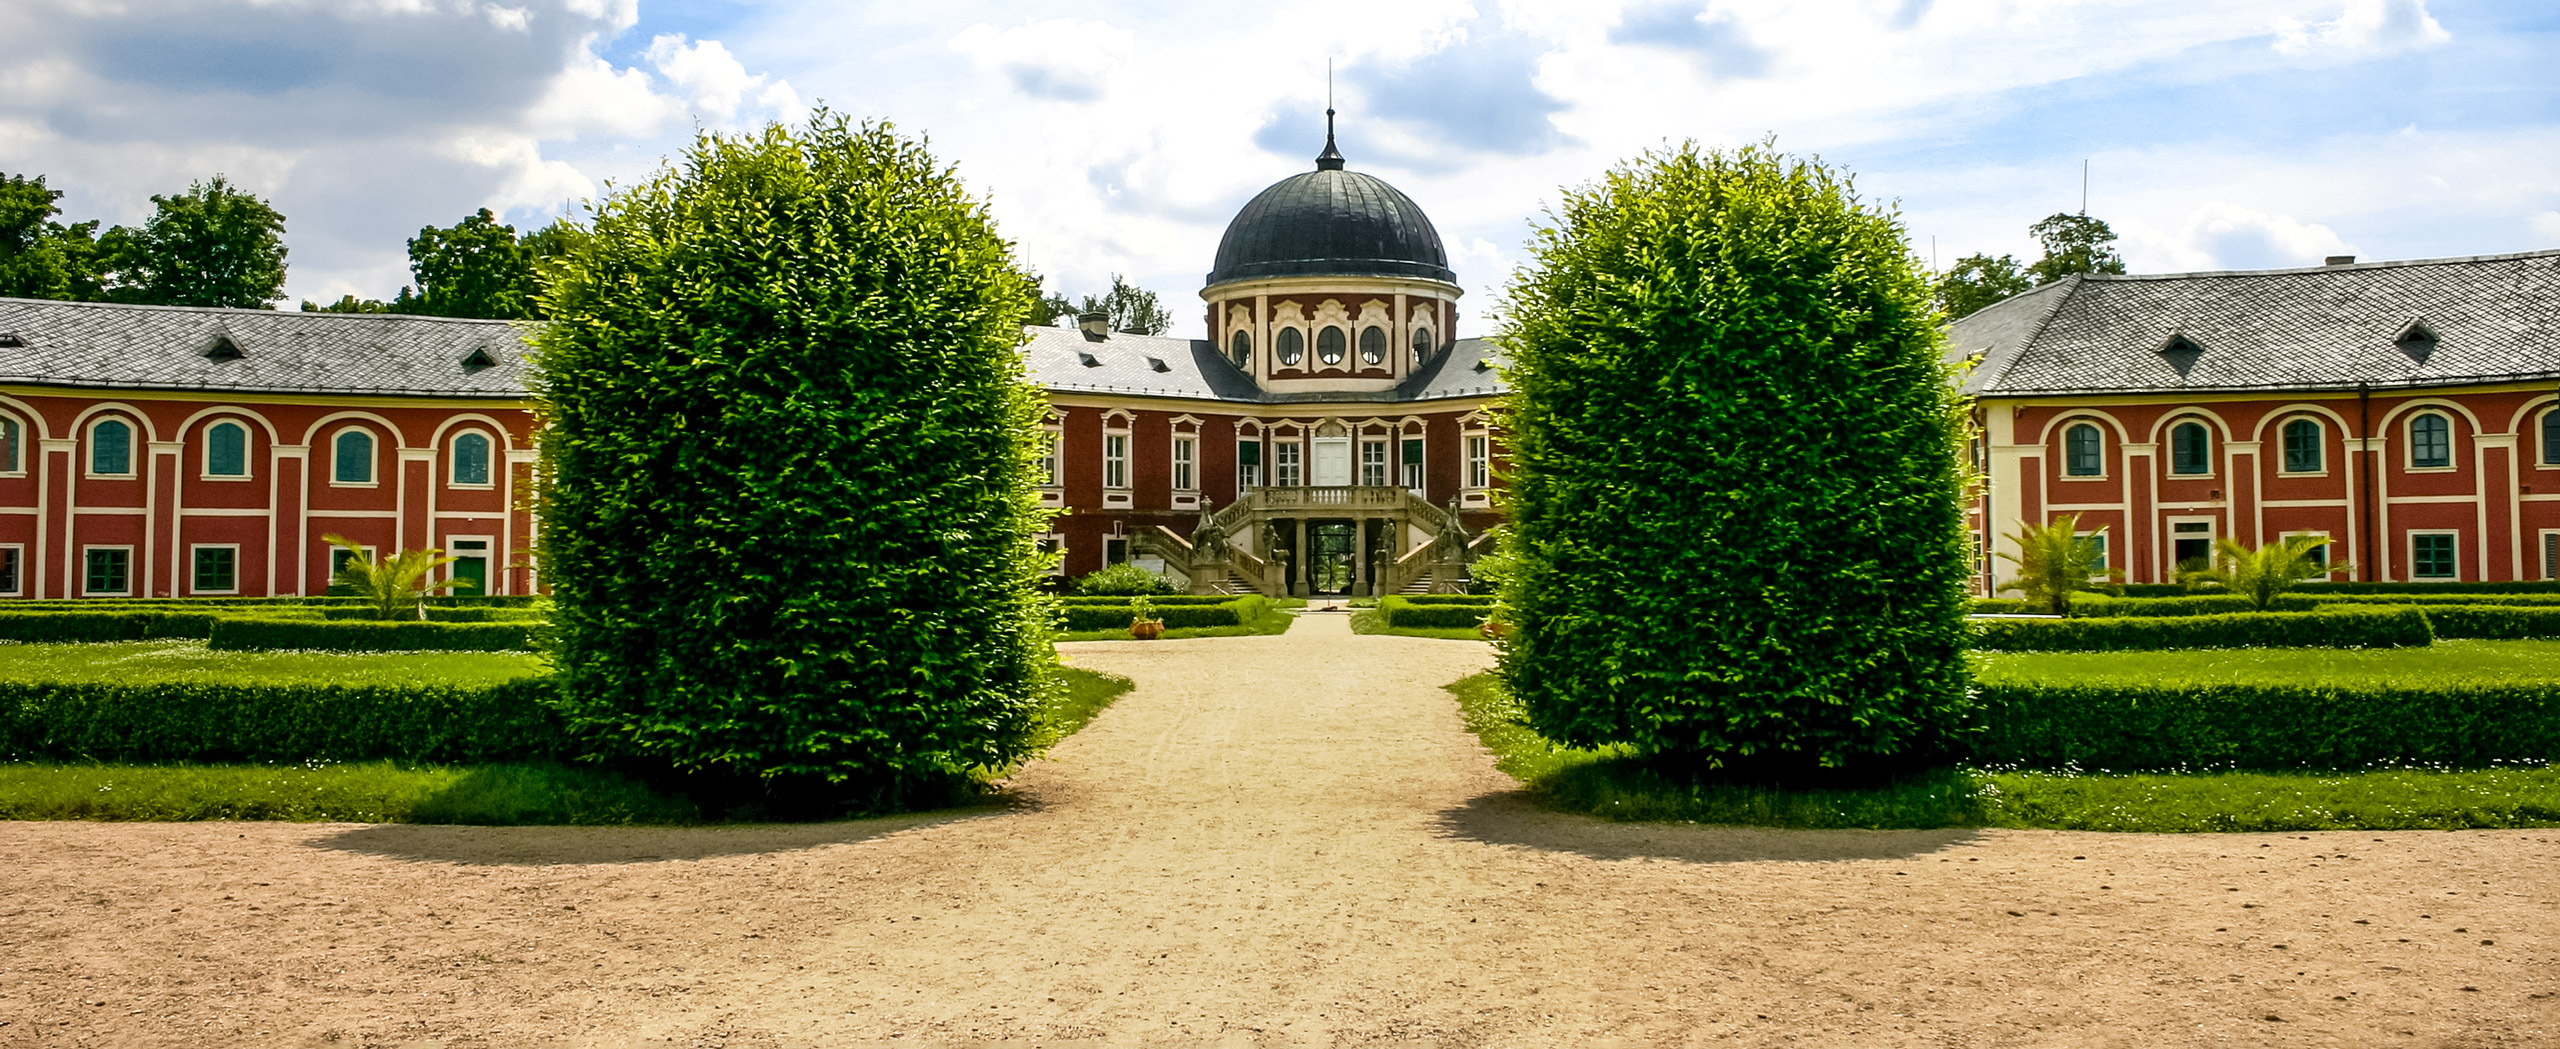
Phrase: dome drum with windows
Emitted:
{"points": [[1331, 280]]}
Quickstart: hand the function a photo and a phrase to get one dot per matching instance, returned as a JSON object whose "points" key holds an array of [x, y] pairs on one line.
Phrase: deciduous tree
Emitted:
{"points": [[213, 245], [1976, 281], [1735, 472], [2073, 244], [39, 257]]}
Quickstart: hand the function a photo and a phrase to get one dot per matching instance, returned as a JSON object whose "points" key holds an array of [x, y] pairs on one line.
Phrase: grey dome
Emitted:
{"points": [[1331, 223]]}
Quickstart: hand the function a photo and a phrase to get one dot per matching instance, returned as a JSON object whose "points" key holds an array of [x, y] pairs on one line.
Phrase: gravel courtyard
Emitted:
{"points": [[1272, 841]]}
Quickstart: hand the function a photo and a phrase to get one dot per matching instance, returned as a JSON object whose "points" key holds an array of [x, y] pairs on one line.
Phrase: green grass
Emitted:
{"points": [[1373, 621], [387, 792], [189, 661], [2445, 663], [1614, 783], [1274, 621]]}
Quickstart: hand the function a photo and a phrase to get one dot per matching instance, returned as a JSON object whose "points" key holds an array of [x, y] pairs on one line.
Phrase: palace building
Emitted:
{"points": [[2403, 411], [1328, 435]]}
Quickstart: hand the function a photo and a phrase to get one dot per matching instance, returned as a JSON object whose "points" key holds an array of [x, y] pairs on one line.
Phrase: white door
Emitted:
{"points": [[1333, 461]]}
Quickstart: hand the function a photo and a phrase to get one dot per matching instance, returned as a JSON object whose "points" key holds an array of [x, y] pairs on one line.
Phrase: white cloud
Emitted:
{"points": [[714, 80], [2365, 29], [2546, 225], [2227, 236], [1061, 59], [591, 96]]}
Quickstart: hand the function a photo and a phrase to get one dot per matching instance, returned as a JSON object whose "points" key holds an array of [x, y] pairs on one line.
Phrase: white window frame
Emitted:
{"points": [[248, 471], [2320, 439], [2328, 545], [1420, 483], [1248, 476], [488, 554], [1186, 462], [16, 555], [1053, 542], [1288, 463], [1386, 475], [453, 461], [2549, 553], [2064, 458], [2106, 553], [2169, 450], [329, 568], [87, 549], [2170, 534], [2452, 454], [2411, 542], [1118, 472], [195, 549], [372, 463], [17, 464], [132, 454], [1479, 476]]}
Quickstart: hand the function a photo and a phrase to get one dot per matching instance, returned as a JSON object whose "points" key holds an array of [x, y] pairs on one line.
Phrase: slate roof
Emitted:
{"points": [[2493, 318], [93, 344], [1064, 359], [1333, 223]]}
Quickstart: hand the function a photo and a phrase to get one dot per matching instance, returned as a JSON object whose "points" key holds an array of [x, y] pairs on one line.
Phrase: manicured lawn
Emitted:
{"points": [[373, 792], [1274, 621], [1614, 784], [2445, 663], [141, 662]]}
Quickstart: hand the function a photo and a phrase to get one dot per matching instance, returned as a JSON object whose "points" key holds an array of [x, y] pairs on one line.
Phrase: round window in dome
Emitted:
{"points": [[1331, 344], [1373, 345], [1291, 345], [1421, 345], [1241, 348]]}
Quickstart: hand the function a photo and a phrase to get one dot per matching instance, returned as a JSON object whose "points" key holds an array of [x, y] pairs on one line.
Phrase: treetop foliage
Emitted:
{"points": [[2072, 244], [213, 245], [1976, 281], [41, 258], [1129, 307], [1734, 476], [790, 455]]}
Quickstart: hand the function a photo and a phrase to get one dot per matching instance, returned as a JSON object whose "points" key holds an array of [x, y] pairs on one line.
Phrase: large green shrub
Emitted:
{"points": [[188, 721], [2349, 628], [2127, 728], [790, 443], [1735, 478], [1122, 580]]}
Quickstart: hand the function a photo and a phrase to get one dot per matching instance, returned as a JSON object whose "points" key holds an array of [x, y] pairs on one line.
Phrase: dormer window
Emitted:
{"points": [[2416, 339], [478, 360], [10, 340], [223, 349], [2181, 352]]}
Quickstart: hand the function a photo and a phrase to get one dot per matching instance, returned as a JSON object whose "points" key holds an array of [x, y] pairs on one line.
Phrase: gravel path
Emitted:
{"points": [[1273, 841]]}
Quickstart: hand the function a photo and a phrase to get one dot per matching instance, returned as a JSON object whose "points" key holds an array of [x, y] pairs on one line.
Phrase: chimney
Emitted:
{"points": [[2341, 260], [1097, 326]]}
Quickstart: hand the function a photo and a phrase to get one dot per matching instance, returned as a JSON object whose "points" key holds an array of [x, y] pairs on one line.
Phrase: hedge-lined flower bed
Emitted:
{"points": [[1096, 614], [1416, 611], [2256, 726], [362, 635], [2355, 628], [186, 721], [90, 626]]}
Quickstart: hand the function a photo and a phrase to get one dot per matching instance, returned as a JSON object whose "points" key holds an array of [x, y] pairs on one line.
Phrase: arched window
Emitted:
{"points": [[2080, 451], [2430, 441], [2302, 444], [8, 445], [1421, 345], [1373, 345], [471, 459], [2190, 449], [1292, 346], [226, 450], [111, 449], [1241, 348], [2551, 438], [1331, 344], [353, 455]]}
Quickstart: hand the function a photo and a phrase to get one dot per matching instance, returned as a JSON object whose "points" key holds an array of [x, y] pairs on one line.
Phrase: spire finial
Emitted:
{"points": [[1331, 158]]}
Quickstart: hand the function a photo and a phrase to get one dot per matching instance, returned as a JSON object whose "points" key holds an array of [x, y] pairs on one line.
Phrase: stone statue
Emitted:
{"points": [[1450, 546], [1208, 541]]}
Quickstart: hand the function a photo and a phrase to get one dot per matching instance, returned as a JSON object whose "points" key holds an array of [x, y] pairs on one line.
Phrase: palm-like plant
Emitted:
{"points": [[2055, 561], [2263, 573], [398, 586]]}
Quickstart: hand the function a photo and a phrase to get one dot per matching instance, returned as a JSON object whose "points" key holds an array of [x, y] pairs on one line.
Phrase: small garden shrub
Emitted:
{"points": [[2213, 725], [358, 635], [1407, 612], [2361, 628], [1123, 580], [83, 625], [186, 721]]}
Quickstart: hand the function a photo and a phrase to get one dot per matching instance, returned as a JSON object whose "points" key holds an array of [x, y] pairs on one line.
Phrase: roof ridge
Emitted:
{"points": [[2449, 260], [244, 310]]}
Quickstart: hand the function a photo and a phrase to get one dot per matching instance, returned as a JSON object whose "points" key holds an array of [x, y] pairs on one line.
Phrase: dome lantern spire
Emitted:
{"points": [[1331, 158]]}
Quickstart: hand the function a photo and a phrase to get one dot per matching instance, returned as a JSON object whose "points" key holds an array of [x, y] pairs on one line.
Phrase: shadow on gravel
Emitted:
{"points": [[1510, 818], [547, 846]]}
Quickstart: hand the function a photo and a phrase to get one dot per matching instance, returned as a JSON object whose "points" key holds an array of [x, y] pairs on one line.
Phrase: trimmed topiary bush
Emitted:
{"points": [[1735, 479], [790, 448]]}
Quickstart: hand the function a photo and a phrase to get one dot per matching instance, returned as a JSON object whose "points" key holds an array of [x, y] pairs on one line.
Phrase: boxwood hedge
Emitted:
{"points": [[175, 721], [1233, 611], [2128, 728], [368, 635], [1411, 612], [77, 625], [2356, 628]]}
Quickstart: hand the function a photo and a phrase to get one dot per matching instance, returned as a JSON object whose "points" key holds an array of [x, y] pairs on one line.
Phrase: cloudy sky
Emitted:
{"points": [[1120, 137]]}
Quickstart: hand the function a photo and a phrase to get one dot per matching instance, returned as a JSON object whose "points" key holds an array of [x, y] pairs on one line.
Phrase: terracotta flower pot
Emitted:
{"points": [[1146, 629]]}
